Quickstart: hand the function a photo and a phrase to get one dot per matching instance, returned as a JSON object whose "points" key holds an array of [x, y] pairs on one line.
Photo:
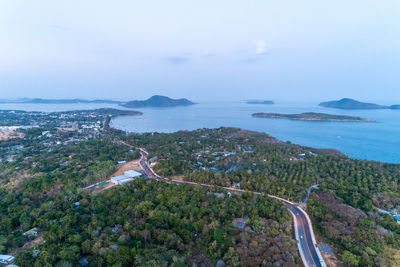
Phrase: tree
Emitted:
{"points": [[350, 258]]}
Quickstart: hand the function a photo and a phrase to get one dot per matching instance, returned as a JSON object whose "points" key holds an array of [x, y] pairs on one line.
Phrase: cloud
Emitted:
{"points": [[177, 60], [261, 47]]}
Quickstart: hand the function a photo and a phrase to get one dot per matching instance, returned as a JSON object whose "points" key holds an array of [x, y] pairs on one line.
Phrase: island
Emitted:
{"points": [[311, 116], [57, 101], [158, 101], [348, 103], [260, 102]]}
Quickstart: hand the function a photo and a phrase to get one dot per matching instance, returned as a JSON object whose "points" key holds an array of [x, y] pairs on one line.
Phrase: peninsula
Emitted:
{"points": [[311, 116], [260, 102], [57, 101], [158, 101], [348, 103]]}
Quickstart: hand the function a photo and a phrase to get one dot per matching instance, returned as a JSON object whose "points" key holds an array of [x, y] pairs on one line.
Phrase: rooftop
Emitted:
{"points": [[6, 258], [132, 174]]}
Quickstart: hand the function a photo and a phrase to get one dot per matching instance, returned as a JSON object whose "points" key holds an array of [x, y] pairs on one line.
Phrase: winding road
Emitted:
{"points": [[305, 237]]}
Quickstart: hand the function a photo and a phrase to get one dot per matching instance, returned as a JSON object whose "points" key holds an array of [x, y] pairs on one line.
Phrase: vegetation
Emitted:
{"points": [[158, 101], [310, 116], [261, 163], [58, 101], [348, 103], [153, 223]]}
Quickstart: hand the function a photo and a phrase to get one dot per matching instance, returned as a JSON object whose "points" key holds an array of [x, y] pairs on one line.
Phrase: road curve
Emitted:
{"points": [[308, 248], [305, 236]]}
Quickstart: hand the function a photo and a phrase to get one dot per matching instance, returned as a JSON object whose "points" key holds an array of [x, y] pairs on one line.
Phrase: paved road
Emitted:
{"points": [[306, 242], [304, 233]]}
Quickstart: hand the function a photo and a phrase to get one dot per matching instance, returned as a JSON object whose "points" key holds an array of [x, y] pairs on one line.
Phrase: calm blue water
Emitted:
{"points": [[373, 141]]}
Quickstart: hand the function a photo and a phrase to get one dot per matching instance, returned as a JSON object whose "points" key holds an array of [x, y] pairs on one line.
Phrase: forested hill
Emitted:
{"points": [[158, 101], [311, 116], [151, 223], [348, 103]]}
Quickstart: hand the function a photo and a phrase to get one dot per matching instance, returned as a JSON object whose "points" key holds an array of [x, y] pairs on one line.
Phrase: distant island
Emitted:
{"points": [[260, 102], [348, 103], [57, 101], [158, 101], [311, 116]]}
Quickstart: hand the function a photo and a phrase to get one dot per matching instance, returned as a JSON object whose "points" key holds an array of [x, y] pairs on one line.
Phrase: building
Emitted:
{"points": [[152, 164], [126, 177], [132, 174], [121, 179], [31, 233], [6, 258]]}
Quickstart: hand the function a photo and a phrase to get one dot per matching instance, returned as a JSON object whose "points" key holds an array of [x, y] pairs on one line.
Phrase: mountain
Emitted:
{"points": [[56, 101], [262, 102], [395, 107], [158, 101], [348, 103]]}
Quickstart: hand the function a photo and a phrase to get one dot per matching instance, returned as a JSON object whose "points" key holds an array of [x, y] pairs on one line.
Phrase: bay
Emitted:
{"points": [[372, 141]]}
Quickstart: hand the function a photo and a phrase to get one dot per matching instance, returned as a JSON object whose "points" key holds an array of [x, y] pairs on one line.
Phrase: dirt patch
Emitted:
{"points": [[177, 177], [39, 240], [131, 165], [331, 260], [17, 179], [11, 135]]}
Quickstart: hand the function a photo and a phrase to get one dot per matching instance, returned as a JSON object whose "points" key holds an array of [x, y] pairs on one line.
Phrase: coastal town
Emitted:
{"points": [[76, 165]]}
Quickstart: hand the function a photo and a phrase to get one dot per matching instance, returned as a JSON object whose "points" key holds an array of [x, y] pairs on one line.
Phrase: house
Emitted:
{"points": [[31, 233], [6, 258], [121, 162], [240, 223], [152, 164]]}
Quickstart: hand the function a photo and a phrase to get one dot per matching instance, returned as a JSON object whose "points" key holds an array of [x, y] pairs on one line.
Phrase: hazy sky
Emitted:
{"points": [[225, 49]]}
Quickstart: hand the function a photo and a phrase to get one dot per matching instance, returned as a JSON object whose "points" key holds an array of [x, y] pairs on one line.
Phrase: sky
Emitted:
{"points": [[306, 50]]}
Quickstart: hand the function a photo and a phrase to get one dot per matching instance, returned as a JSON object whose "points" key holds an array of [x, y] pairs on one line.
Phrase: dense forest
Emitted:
{"points": [[150, 223], [258, 162]]}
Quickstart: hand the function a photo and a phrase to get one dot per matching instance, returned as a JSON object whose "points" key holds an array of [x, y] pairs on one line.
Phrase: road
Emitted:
{"points": [[305, 236], [308, 193], [306, 242]]}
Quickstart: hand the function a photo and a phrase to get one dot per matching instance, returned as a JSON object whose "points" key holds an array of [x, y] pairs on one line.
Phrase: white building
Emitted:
{"points": [[126, 177], [6, 258], [132, 174], [121, 179]]}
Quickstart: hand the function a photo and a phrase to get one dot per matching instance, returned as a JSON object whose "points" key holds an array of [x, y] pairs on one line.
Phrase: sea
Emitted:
{"points": [[369, 141]]}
